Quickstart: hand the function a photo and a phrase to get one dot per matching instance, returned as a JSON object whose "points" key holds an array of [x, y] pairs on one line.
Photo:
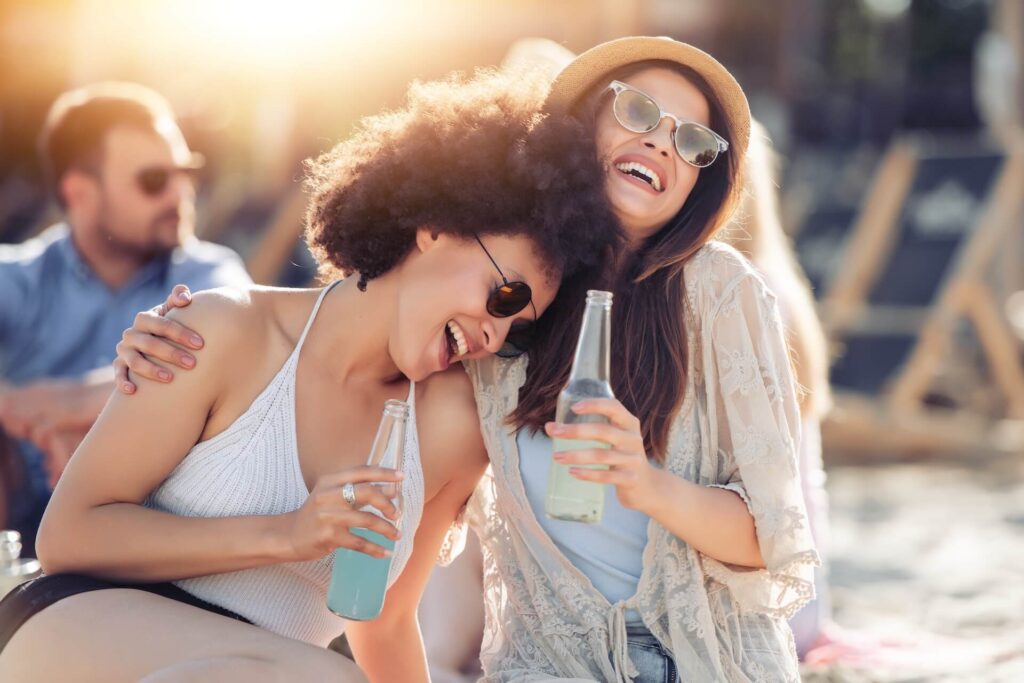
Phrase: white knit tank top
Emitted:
{"points": [[252, 468]]}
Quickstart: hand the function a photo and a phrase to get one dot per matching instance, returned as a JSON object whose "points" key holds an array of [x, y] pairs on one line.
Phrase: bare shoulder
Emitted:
{"points": [[450, 440], [224, 313], [249, 317]]}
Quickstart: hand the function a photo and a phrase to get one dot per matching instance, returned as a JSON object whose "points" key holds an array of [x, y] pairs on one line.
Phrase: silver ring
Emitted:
{"points": [[348, 492]]}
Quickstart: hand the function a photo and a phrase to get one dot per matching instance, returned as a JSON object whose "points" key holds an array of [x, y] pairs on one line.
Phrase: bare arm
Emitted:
{"points": [[714, 521], [96, 523], [390, 648]]}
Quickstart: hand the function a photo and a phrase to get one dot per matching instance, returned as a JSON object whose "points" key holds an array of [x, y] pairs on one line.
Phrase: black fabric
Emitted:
{"points": [[32, 597]]}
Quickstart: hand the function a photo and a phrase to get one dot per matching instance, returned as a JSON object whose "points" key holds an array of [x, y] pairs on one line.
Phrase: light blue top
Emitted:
{"points": [[58, 320], [609, 553]]}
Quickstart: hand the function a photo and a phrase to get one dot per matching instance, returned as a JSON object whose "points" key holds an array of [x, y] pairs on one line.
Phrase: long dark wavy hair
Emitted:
{"points": [[649, 350]]}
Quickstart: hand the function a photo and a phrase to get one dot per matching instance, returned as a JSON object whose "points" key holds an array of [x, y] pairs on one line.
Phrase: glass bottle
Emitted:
{"points": [[359, 581], [570, 498], [14, 569]]}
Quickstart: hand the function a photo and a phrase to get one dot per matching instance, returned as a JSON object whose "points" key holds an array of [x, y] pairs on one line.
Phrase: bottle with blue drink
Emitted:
{"points": [[569, 498], [359, 581]]}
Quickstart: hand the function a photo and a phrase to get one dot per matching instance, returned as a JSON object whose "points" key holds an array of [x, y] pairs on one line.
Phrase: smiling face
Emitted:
{"points": [[442, 316], [642, 207]]}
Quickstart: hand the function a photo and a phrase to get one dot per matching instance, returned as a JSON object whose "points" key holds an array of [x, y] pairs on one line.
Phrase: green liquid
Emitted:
{"points": [[573, 499], [359, 581]]}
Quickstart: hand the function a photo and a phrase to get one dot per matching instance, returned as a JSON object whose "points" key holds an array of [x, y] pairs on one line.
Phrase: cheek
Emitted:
{"points": [[686, 179], [608, 136]]}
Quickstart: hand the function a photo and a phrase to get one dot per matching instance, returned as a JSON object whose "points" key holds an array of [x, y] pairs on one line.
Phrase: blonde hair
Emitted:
{"points": [[757, 232]]}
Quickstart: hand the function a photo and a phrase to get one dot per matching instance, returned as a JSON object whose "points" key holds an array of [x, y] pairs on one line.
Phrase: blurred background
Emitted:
{"points": [[898, 128]]}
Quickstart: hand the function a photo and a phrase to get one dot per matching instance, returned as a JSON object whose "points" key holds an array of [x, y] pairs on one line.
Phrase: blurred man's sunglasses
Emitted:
{"points": [[153, 180]]}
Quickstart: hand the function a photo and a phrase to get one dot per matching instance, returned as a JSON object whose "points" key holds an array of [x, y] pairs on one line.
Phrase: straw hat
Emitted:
{"points": [[596, 64]]}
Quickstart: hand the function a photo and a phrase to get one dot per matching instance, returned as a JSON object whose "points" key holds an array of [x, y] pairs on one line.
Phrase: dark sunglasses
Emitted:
{"points": [[506, 300], [637, 112], [153, 181]]}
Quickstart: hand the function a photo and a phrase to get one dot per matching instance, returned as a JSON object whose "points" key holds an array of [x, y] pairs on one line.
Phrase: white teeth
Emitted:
{"points": [[460, 337], [648, 175]]}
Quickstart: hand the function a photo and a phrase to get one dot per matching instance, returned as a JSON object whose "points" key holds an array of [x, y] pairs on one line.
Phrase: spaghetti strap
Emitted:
{"points": [[312, 315]]}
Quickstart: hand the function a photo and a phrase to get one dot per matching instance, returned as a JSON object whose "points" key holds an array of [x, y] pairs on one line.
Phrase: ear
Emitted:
{"points": [[80, 191], [426, 238]]}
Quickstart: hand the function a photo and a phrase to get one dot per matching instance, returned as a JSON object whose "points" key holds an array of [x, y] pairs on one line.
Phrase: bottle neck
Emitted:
{"points": [[593, 350], [389, 445]]}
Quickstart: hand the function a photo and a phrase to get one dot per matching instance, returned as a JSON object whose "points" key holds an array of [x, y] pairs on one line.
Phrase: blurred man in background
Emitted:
{"points": [[122, 173]]}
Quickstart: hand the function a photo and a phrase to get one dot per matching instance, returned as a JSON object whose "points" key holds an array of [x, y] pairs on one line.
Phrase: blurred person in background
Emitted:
{"points": [[122, 173], [704, 551], [758, 234]]}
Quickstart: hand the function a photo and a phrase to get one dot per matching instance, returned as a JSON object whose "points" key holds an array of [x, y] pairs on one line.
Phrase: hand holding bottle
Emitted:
{"points": [[325, 521], [629, 470]]}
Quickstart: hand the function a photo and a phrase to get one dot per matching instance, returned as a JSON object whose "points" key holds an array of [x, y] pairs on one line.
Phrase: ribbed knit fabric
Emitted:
{"points": [[252, 468]]}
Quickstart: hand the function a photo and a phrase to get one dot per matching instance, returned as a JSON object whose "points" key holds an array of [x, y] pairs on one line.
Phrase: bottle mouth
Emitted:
{"points": [[597, 296], [395, 408]]}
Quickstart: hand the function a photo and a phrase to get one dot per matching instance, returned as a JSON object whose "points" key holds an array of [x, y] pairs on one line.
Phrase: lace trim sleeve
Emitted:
{"points": [[758, 426]]}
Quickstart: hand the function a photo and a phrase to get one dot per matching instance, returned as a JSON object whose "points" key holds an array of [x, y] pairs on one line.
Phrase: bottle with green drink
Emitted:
{"points": [[570, 498], [359, 581]]}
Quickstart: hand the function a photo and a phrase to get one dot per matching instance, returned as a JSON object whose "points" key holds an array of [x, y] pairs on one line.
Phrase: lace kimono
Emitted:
{"points": [[737, 429]]}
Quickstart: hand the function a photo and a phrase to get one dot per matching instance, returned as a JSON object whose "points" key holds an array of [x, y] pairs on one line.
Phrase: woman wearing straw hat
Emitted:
{"points": [[704, 550]]}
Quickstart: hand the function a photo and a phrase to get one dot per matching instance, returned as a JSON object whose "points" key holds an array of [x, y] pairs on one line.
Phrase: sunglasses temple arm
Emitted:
{"points": [[495, 263]]}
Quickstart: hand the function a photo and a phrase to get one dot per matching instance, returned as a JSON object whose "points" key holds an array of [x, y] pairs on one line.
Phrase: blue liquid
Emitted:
{"points": [[359, 581]]}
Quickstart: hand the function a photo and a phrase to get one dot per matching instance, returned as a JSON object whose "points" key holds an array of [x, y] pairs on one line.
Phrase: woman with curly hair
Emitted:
{"points": [[199, 517], [704, 551]]}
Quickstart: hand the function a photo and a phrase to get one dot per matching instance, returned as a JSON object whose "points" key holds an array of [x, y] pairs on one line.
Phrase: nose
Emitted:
{"points": [[660, 139], [493, 336]]}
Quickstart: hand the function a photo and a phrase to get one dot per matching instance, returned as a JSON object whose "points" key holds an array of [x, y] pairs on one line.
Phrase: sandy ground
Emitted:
{"points": [[931, 554]]}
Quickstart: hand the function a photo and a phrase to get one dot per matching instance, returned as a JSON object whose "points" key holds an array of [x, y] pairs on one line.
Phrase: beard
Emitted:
{"points": [[164, 233]]}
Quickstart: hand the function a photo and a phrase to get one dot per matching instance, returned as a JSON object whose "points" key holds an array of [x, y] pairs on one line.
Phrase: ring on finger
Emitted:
{"points": [[348, 492]]}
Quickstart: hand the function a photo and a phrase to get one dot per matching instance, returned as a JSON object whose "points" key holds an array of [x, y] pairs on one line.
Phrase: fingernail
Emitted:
{"points": [[559, 457], [577, 407], [164, 375], [196, 340], [557, 428], [183, 296], [188, 361], [128, 387]]}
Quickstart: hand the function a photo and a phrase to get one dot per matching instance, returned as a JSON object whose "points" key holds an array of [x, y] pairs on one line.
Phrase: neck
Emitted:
{"points": [[353, 348], [113, 266]]}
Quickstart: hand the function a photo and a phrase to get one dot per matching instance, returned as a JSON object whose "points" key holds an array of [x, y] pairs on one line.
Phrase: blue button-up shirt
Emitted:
{"points": [[58, 320]]}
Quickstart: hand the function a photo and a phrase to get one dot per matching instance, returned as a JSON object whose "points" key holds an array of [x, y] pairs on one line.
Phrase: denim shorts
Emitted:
{"points": [[653, 662]]}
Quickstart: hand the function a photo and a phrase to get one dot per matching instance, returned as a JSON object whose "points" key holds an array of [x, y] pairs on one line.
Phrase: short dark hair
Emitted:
{"points": [[78, 122], [465, 155]]}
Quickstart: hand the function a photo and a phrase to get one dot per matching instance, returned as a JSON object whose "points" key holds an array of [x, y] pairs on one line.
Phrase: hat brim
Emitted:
{"points": [[595, 65]]}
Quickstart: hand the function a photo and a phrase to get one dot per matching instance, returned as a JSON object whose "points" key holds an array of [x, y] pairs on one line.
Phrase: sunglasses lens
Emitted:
{"points": [[696, 145], [635, 111], [518, 341], [509, 299], [152, 181]]}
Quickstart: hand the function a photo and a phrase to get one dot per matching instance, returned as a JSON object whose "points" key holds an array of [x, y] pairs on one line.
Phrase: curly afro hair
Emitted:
{"points": [[465, 155]]}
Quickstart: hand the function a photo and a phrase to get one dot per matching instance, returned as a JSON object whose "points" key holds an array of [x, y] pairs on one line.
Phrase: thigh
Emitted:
{"points": [[126, 635]]}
